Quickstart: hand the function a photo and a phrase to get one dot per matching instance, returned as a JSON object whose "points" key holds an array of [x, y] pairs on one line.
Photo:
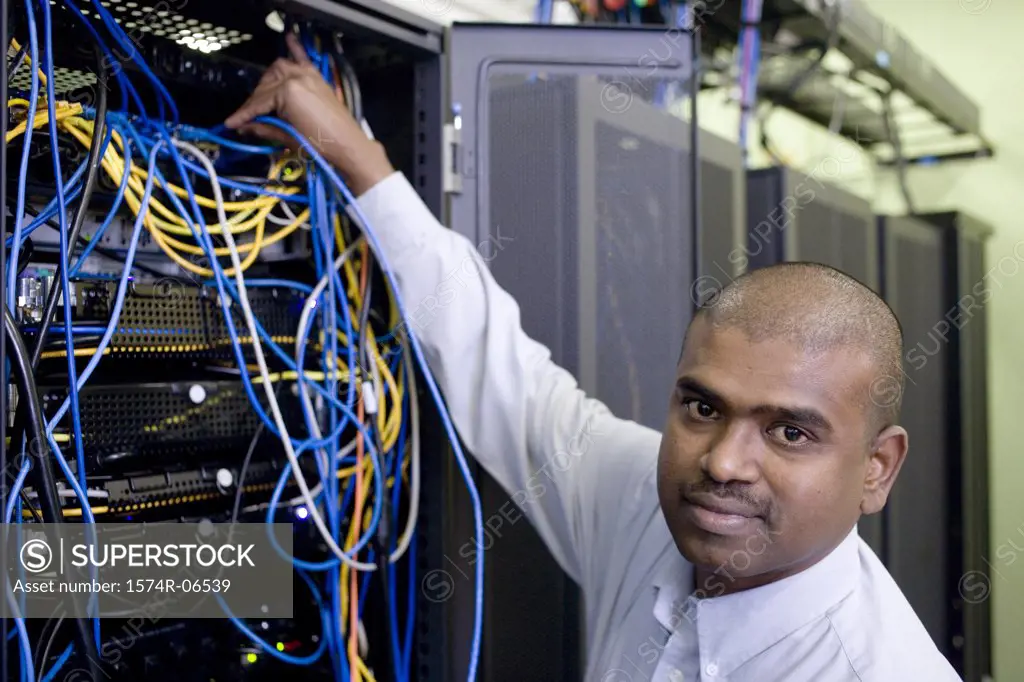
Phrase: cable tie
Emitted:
{"points": [[369, 398]]}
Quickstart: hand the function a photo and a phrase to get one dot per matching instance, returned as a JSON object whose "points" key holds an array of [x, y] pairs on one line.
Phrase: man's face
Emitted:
{"points": [[765, 454]]}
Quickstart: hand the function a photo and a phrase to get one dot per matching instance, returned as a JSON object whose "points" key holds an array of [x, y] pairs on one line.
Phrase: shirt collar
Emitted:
{"points": [[734, 628]]}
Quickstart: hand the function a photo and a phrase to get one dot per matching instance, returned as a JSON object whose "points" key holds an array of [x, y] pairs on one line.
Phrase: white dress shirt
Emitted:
{"points": [[586, 481]]}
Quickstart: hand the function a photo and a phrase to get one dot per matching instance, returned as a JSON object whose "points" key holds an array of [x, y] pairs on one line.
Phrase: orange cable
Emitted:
{"points": [[360, 488]]}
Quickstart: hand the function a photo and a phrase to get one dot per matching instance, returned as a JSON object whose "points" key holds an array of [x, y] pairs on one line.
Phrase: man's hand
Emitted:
{"points": [[293, 90]]}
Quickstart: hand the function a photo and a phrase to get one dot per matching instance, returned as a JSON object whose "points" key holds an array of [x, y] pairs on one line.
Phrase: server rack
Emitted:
{"points": [[794, 217], [936, 279], [723, 214], [405, 101], [564, 151]]}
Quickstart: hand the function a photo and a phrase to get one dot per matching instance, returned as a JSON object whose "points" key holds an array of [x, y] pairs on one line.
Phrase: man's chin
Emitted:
{"points": [[727, 554]]}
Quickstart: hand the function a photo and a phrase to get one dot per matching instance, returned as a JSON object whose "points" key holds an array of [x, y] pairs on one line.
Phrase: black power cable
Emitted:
{"points": [[92, 174], [801, 79], [12, 70], [28, 403], [23, 366], [45, 481], [3, 345], [889, 120]]}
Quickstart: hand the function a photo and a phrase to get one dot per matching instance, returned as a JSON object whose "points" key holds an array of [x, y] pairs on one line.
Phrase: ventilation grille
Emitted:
{"points": [[123, 419], [64, 80], [168, 318], [159, 495], [166, 425], [139, 18]]}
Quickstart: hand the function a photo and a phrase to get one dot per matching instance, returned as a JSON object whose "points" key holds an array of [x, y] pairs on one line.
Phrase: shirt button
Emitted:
{"points": [[675, 676], [711, 669]]}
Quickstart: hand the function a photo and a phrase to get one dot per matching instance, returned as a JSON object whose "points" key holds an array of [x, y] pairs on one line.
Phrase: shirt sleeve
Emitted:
{"points": [[564, 459]]}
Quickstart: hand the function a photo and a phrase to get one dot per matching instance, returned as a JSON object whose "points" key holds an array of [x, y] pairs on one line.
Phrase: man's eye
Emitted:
{"points": [[790, 435], [700, 410]]}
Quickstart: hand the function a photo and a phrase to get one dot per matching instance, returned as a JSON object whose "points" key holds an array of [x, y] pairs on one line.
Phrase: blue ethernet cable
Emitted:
{"points": [[306, 660], [19, 211], [428, 376], [123, 83], [112, 213], [330, 350], [25, 647], [201, 172], [190, 133], [199, 234], [126, 43], [15, 493], [71, 189], [232, 333], [329, 326], [122, 290], [85, 330], [269, 283], [65, 248], [52, 673]]}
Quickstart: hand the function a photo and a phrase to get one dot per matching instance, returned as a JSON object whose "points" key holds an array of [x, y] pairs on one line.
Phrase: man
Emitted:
{"points": [[724, 549]]}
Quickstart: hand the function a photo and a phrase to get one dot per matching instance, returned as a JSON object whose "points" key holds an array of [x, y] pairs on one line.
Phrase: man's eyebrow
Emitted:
{"points": [[803, 416], [688, 383]]}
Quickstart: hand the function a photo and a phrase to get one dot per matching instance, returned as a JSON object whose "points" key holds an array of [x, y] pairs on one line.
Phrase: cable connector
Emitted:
{"points": [[369, 398]]}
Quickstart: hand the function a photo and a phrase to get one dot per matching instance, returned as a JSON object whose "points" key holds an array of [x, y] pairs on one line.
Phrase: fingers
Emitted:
{"points": [[258, 104], [297, 51], [263, 100], [269, 133]]}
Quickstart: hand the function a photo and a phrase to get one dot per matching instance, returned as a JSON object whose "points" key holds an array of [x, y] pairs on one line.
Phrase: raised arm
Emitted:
{"points": [[562, 457]]}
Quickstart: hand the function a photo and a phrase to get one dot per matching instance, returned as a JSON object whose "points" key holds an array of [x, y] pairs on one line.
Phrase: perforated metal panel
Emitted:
{"points": [[162, 21], [644, 245], [124, 421], [64, 80], [795, 217], [916, 281], [169, 318]]}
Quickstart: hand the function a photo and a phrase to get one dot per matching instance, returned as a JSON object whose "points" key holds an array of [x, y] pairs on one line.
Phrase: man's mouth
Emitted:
{"points": [[720, 516]]}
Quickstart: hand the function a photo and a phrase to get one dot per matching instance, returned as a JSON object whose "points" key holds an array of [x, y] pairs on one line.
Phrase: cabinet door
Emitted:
{"points": [[917, 534], [971, 596], [575, 181]]}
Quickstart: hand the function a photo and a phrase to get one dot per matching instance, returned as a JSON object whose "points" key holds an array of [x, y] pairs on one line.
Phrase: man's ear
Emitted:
{"points": [[887, 454]]}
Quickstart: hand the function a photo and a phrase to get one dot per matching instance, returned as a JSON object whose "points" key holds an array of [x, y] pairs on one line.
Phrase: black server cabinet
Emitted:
{"points": [[917, 284], [797, 217], [936, 279], [562, 155], [723, 212]]}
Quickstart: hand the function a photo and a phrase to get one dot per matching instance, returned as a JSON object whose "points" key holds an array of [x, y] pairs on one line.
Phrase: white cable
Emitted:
{"points": [[364, 641], [257, 347], [414, 494], [307, 403], [289, 218], [414, 475]]}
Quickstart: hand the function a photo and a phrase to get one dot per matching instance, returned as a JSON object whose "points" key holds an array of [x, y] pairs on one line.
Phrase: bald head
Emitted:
{"points": [[819, 309]]}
